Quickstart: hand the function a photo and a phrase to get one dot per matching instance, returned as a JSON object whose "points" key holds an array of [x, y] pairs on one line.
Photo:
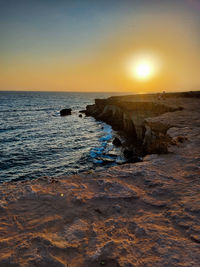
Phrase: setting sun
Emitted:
{"points": [[143, 70], [142, 67]]}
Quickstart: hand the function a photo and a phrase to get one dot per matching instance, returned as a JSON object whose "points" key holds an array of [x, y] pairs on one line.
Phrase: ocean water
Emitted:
{"points": [[36, 141]]}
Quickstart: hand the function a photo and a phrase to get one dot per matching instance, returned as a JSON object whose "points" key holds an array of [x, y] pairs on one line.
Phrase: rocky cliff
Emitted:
{"points": [[133, 115]]}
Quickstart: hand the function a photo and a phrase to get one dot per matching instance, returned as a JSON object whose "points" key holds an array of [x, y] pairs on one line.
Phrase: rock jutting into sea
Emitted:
{"points": [[137, 214], [65, 112], [133, 115]]}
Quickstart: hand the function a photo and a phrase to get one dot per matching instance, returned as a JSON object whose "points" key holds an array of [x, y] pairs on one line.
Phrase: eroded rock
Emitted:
{"points": [[66, 112], [117, 142]]}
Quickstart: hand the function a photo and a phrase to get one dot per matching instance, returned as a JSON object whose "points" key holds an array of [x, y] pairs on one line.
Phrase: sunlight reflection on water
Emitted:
{"points": [[36, 141]]}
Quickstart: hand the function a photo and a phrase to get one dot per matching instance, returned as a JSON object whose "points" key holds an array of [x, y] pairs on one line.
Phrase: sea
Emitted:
{"points": [[35, 141]]}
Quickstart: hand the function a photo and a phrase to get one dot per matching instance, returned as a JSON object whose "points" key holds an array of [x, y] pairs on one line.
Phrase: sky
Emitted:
{"points": [[94, 45]]}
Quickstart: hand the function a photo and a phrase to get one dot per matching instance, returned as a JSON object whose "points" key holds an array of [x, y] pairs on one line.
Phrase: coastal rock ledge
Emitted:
{"points": [[145, 214], [133, 115]]}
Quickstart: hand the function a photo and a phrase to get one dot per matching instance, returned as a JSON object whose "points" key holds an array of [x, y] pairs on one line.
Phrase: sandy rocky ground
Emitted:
{"points": [[142, 214]]}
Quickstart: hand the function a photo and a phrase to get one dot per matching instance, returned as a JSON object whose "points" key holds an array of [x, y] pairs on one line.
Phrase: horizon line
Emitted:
{"points": [[108, 92]]}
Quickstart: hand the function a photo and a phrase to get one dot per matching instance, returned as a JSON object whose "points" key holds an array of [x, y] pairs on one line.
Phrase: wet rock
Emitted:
{"points": [[65, 112], [134, 159], [117, 142], [82, 111], [106, 160], [130, 156], [128, 153]]}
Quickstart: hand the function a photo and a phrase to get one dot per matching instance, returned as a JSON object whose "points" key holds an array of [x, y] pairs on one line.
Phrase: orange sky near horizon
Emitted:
{"points": [[97, 61]]}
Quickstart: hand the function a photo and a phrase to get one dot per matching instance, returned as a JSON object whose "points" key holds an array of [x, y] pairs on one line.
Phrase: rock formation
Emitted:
{"points": [[65, 112], [117, 142], [134, 116]]}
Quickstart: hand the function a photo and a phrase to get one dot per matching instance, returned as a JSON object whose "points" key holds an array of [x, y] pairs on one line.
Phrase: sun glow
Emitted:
{"points": [[142, 67], [143, 70]]}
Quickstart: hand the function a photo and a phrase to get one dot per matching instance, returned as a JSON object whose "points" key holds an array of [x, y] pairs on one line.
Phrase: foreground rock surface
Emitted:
{"points": [[142, 214]]}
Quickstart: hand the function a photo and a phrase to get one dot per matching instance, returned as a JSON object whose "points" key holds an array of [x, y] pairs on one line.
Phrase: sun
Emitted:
{"points": [[143, 70], [142, 67]]}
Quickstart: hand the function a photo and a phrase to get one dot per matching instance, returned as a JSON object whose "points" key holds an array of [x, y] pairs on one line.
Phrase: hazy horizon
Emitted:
{"points": [[88, 46], [100, 92]]}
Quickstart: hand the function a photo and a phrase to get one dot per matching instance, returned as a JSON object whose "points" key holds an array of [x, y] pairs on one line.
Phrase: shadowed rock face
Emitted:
{"points": [[65, 112], [132, 116], [117, 142], [128, 116]]}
